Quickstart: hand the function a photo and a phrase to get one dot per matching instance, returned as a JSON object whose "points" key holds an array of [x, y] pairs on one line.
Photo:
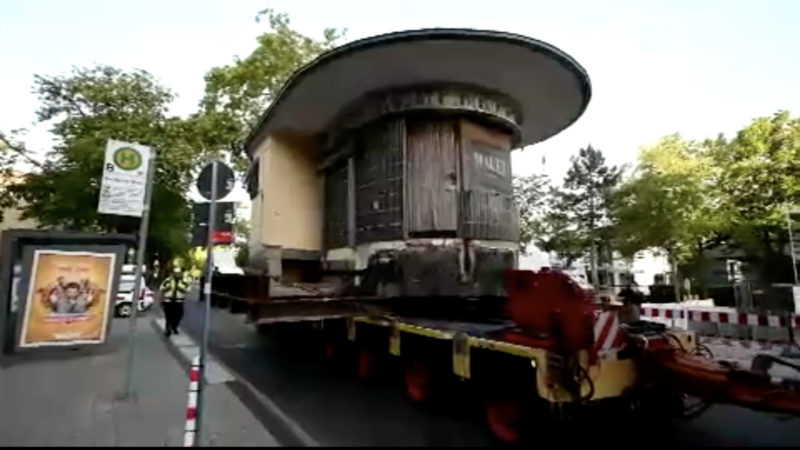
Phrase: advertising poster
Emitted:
{"points": [[68, 299]]}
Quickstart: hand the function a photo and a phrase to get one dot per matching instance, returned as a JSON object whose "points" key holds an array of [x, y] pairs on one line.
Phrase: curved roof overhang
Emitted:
{"points": [[551, 89]]}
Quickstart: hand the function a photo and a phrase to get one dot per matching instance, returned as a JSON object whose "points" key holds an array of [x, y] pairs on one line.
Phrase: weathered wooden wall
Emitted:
{"points": [[432, 177], [336, 206], [487, 205], [379, 182], [457, 183]]}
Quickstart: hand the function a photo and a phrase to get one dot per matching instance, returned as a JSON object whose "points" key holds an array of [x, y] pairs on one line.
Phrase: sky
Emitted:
{"points": [[695, 67]]}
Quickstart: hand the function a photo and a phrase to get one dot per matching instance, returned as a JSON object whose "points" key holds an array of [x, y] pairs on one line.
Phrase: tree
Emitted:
{"points": [[530, 196], [13, 157], [236, 95], [241, 229], [580, 208], [8, 160], [757, 175], [92, 105], [87, 108], [541, 222], [666, 203]]}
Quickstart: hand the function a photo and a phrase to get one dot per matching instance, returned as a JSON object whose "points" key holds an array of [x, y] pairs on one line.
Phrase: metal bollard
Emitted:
{"points": [[190, 432]]}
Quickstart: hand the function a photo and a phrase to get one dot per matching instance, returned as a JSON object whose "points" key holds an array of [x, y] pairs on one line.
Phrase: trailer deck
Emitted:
{"points": [[611, 375]]}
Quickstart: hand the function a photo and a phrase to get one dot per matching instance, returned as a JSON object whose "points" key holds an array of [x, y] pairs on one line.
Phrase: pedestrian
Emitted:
{"points": [[173, 292], [631, 302]]}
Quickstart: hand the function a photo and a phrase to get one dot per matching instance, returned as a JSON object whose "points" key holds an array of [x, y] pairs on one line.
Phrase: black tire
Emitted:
{"points": [[123, 309], [238, 307]]}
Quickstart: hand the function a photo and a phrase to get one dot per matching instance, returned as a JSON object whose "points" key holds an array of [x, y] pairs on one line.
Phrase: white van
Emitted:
{"points": [[122, 305]]}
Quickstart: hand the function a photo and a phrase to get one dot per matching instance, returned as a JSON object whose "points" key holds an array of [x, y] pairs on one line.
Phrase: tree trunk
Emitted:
{"points": [[673, 262], [699, 270], [593, 266]]}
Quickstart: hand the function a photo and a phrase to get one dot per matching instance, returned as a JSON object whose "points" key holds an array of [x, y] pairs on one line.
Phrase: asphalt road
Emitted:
{"points": [[336, 409]]}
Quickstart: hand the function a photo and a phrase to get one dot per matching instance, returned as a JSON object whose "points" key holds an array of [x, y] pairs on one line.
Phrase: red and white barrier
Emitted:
{"points": [[190, 432], [733, 318], [607, 335]]}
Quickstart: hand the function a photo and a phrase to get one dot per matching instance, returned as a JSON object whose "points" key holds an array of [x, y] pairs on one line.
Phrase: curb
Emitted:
{"points": [[283, 428]]}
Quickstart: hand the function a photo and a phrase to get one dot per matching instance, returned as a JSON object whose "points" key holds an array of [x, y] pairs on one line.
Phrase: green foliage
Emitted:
{"points": [[241, 229], [530, 196], [12, 154], [757, 175], [91, 105], [566, 219], [195, 261], [666, 203], [558, 230], [541, 223], [687, 196], [236, 95], [242, 255], [87, 108], [8, 159], [580, 208], [683, 198], [587, 190]]}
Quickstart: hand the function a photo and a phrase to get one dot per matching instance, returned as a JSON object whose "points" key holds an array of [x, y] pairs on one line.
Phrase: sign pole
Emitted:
{"points": [[212, 220], [791, 245], [137, 283]]}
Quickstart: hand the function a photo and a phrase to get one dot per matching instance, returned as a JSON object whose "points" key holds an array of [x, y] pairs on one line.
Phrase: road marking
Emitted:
{"points": [[188, 348], [228, 375]]}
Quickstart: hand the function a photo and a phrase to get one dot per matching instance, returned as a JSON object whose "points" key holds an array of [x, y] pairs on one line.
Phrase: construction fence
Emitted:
{"points": [[725, 322]]}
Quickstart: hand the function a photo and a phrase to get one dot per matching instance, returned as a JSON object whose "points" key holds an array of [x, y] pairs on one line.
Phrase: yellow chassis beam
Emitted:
{"points": [[611, 377]]}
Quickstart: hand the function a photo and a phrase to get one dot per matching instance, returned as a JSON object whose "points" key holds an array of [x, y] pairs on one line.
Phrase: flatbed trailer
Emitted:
{"points": [[589, 361], [520, 381], [462, 347]]}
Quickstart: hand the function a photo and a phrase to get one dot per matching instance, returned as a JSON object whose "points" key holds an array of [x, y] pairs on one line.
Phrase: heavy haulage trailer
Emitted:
{"points": [[383, 216]]}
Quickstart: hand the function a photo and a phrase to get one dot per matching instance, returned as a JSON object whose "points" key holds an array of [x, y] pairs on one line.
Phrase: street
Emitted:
{"points": [[334, 408]]}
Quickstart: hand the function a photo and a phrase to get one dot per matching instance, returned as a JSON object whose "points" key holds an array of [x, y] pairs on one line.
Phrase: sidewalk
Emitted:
{"points": [[72, 400]]}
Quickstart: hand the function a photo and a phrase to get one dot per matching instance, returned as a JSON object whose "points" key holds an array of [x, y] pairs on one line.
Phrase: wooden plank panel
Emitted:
{"points": [[336, 211], [433, 180], [489, 215], [487, 206], [379, 182]]}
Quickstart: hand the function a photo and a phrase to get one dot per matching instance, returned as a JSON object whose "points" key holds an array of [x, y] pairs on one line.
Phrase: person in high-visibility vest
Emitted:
{"points": [[173, 292]]}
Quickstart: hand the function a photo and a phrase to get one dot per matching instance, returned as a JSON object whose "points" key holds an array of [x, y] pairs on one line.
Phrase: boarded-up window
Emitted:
{"points": [[335, 206], [488, 210], [432, 152], [379, 182]]}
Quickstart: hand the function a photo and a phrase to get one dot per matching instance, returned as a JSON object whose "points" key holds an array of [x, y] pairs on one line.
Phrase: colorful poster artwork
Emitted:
{"points": [[68, 298]]}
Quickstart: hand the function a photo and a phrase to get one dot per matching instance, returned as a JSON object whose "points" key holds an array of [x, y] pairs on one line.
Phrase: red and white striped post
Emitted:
{"points": [[190, 432]]}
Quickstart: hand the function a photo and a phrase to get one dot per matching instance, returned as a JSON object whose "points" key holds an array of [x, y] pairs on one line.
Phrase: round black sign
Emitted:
{"points": [[225, 181]]}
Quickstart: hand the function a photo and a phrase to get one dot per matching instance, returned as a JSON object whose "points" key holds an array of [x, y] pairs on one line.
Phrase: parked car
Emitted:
{"points": [[122, 304]]}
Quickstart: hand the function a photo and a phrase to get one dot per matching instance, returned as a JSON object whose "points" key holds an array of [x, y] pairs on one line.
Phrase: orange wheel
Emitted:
{"points": [[418, 381], [329, 351], [365, 363], [504, 418]]}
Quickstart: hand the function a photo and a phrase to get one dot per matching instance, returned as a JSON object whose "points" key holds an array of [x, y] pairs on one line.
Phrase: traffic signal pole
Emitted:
{"points": [[212, 216], [137, 283]]}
